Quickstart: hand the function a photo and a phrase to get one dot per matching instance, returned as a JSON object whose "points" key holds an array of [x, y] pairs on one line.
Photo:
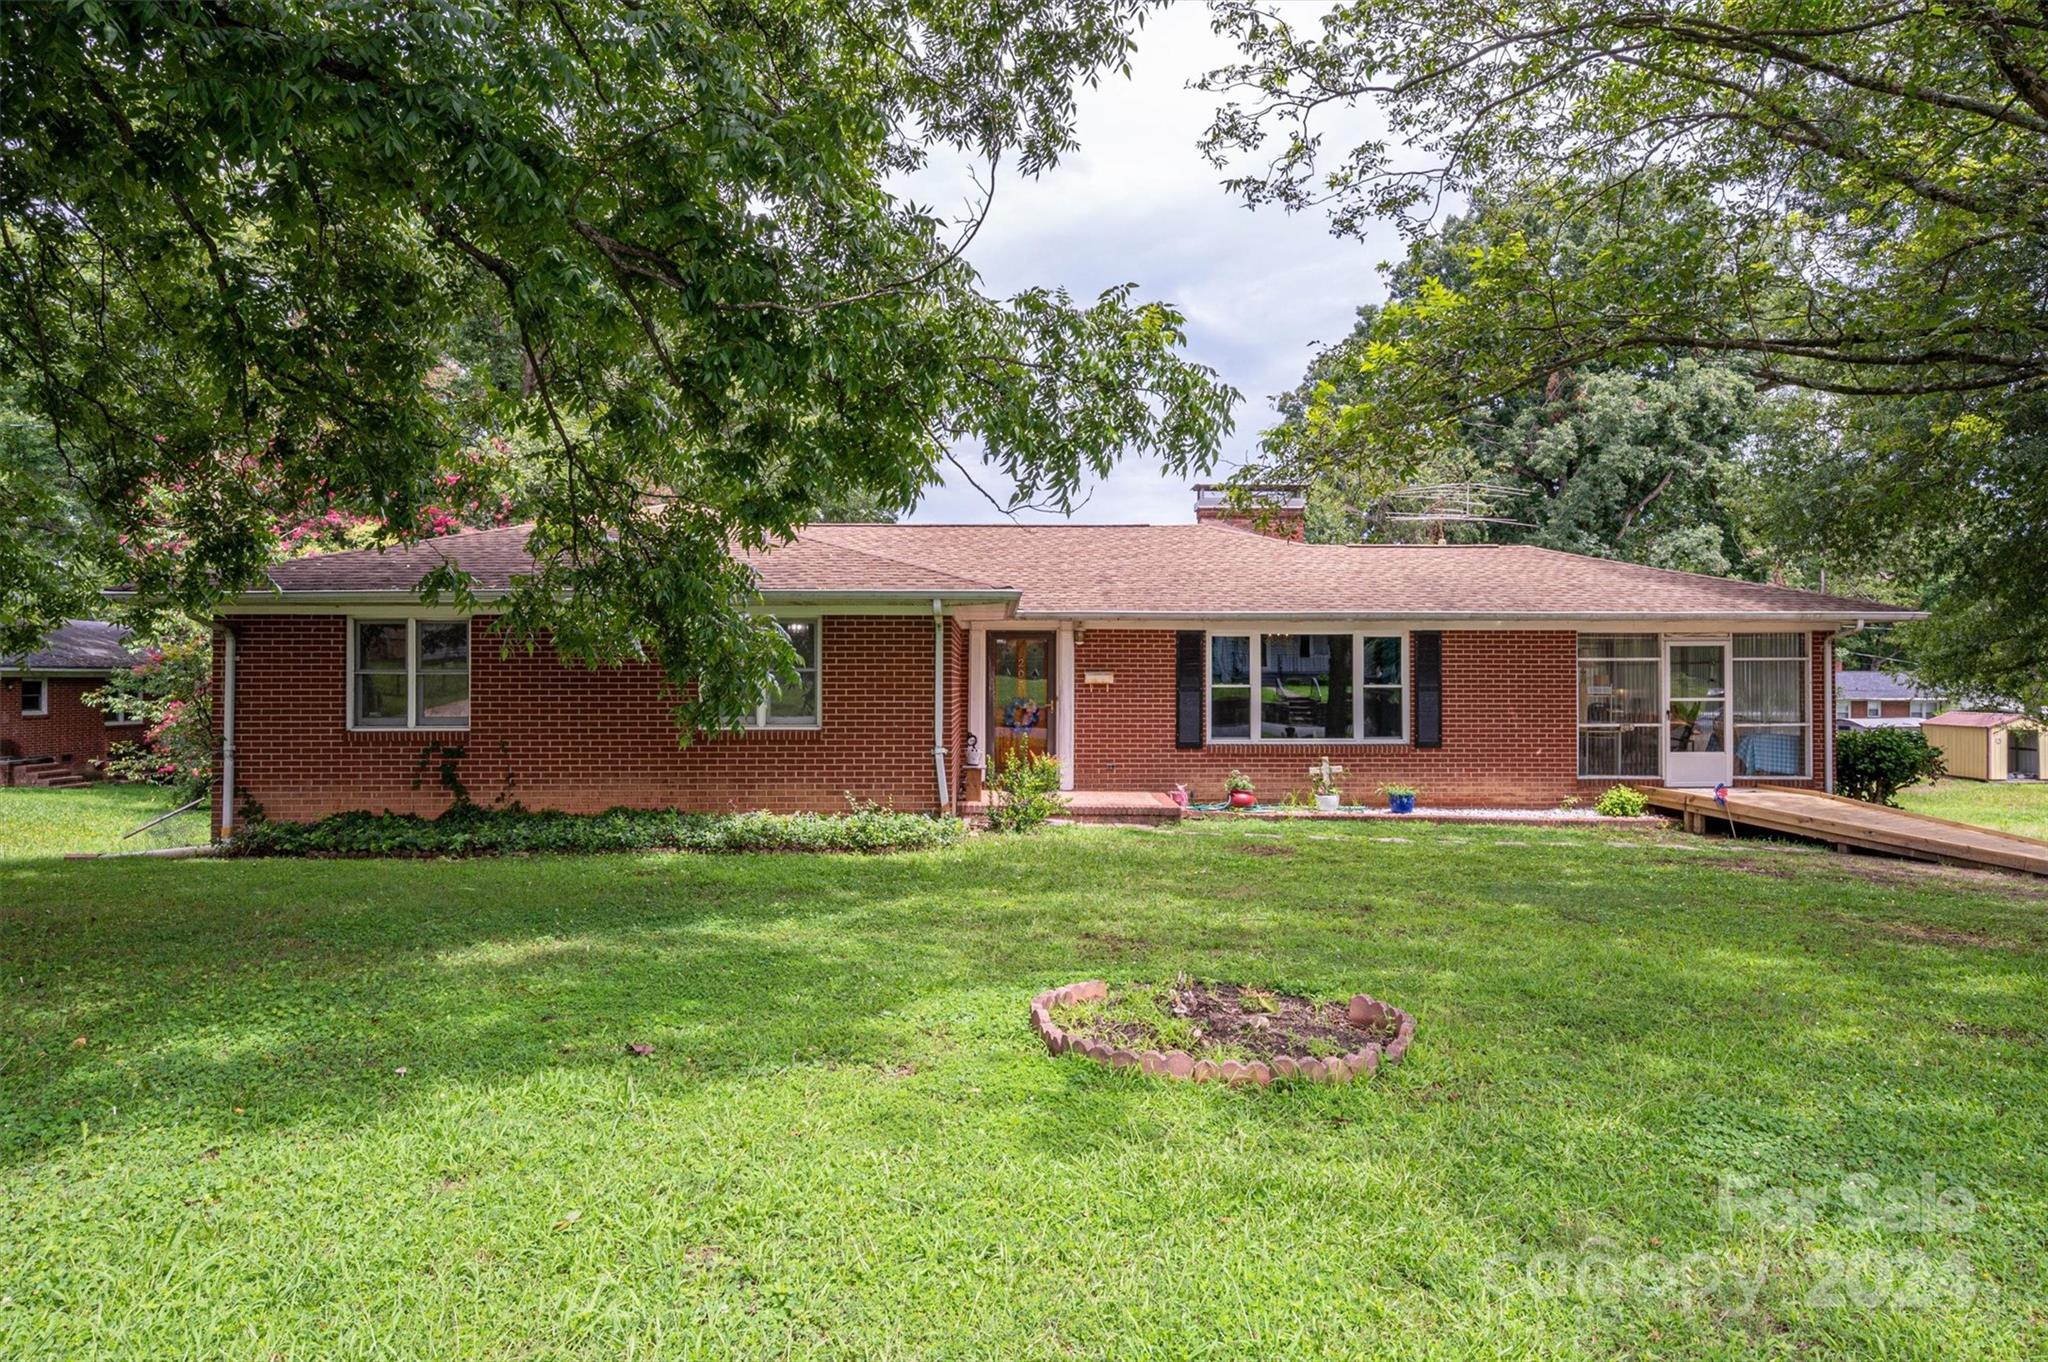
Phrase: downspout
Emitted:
{"points": [[227, 739], [939, 704]]}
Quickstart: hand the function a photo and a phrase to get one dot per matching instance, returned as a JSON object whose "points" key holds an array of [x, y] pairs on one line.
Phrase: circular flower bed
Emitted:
{"points": [[1222, 1033]]}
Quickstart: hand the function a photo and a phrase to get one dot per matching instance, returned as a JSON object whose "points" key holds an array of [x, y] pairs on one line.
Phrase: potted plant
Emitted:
{"points": [[1400, 798], [1325, 777], [1238, 786]]}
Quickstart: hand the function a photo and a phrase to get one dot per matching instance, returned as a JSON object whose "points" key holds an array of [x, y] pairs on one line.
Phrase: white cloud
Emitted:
{"points": [[1137, 202]]}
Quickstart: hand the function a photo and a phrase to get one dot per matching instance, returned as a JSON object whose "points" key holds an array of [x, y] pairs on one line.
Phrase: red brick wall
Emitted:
{"points": [[1509, 735], [552, 736], [72, 729], [1509, 726], [1274, 522], [1886, 709]]}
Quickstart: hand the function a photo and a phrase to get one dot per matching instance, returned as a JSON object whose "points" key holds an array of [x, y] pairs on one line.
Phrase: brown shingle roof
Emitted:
{"points": [[492, 557], [1157, 570], [1195, 570], [78, 646], [815, 564]]}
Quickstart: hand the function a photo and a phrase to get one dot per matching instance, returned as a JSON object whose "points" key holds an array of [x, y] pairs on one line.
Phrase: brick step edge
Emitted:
{"points": [[1181, 1066]]}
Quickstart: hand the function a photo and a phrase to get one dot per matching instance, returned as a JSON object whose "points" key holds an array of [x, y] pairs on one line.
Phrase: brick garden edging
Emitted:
{"points": [[1179, 1064]]}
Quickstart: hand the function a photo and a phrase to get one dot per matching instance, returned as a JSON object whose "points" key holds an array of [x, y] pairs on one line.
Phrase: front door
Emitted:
{"points": [[1696, 749], [1023, 696]]}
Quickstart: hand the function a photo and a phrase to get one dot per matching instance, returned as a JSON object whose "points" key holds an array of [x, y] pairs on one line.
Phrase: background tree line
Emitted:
{"points": [[1842, 209]]}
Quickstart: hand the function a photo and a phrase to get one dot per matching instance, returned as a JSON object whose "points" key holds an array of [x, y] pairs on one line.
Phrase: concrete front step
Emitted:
{"points": [[1104, 806], [53, 776]]}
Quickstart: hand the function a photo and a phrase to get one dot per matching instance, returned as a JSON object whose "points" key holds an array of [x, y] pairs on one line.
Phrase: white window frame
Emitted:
{"points": [[412, 625], [42, 709], [116, 718], [761, 723], [1257, 636], [1579, 725], [1806, 720]]}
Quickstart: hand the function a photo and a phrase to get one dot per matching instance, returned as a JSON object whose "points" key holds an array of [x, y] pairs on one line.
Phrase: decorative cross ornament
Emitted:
{"points": [[1326, 774]]}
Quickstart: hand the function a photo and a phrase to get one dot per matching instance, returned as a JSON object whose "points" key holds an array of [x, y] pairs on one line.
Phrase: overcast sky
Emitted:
{"points": [[1138, 203]]}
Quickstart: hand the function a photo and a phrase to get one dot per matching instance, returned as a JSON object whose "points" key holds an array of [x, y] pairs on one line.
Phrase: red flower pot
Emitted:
{"points": [[1242, 799]]}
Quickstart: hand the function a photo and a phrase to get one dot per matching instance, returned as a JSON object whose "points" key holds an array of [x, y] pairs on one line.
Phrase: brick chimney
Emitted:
{"points": [[1276, 509]]}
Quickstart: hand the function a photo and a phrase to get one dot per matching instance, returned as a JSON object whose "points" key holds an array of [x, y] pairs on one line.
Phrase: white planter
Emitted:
{"points": [[1327, 803]]}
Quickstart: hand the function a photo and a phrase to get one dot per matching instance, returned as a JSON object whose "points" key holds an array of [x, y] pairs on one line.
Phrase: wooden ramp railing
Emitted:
{"points": [[1852, 823]]}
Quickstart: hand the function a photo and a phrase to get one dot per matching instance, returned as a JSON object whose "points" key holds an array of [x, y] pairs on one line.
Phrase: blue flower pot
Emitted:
{"points": [[1401, 803]]}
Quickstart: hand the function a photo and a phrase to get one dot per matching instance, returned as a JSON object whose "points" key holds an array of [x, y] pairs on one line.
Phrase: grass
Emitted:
{"points": [[386, 1109], [52, 822], [2015, 806]]}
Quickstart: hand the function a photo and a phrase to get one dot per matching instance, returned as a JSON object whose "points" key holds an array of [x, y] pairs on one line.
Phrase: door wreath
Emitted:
{"points": [[1021, 714]]}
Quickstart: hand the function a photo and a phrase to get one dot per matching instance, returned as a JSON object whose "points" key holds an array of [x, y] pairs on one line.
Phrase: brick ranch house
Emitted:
{"points": [[48, 734], [1142, 656], [1880, 699]]}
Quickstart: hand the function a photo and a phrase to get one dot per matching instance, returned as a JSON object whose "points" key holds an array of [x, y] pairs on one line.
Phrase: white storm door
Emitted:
{"points": [[1696, 747]]}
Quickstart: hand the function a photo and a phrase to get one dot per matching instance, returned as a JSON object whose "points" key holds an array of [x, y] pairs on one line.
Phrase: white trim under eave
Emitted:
{"points": [[1762, 621], [397, 604], [60, 673]]}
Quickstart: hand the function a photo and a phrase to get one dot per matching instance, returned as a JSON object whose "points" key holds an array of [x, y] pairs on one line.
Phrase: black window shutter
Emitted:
{"points": [[1429, 689], [1188, 646]]}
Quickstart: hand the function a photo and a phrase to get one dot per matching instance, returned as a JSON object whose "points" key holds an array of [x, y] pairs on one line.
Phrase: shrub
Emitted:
{"points": [[169, 693], [470, 831], [1876, 763], [1024, 791], [1621, 801]]}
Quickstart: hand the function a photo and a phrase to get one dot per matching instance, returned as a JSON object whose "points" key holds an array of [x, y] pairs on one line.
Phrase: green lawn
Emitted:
{"points": [[340, 1109], [52, 822], [2016, 806]]}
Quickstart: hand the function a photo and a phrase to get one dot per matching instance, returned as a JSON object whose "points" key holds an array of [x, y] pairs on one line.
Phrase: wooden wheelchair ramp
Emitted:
{"points": [[1852, 823]]}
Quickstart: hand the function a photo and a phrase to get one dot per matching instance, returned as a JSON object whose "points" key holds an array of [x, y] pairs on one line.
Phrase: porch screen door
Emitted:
{"points": [[1696, 713], [1022, 696]]}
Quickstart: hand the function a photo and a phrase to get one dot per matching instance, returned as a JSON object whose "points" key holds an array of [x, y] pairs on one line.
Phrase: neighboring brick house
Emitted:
{"points": [[1143, 656], [48, 734], [1879, 699]]}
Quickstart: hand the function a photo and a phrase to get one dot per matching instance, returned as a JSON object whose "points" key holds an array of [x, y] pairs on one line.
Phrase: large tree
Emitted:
{"points": [[1640, 461], [259, 254], [1849, 201]]}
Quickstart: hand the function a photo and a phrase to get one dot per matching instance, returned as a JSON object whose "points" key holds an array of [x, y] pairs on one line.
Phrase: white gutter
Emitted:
{"points": [[939, 703], [275, 602], [60, 673], [227, 740], [1464, 616]]}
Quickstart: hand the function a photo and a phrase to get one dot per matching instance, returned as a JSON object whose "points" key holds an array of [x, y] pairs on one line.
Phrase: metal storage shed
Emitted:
{"points": [[1980, 746]]}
